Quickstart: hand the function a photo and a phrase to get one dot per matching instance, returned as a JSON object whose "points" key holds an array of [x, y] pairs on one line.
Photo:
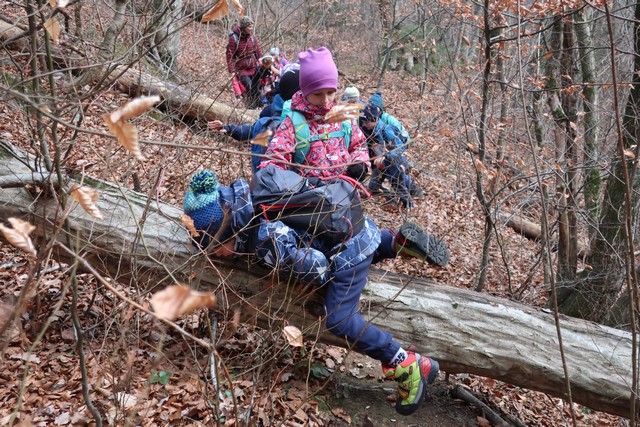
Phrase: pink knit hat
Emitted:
{"points": [[317, 70]]}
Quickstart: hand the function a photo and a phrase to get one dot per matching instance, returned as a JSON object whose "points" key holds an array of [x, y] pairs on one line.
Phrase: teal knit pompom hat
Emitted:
{"points": [[203, 204], [376, 100]]}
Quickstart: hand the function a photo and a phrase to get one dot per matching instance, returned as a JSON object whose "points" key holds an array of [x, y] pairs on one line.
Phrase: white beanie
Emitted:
{"points": [[351, 93]]}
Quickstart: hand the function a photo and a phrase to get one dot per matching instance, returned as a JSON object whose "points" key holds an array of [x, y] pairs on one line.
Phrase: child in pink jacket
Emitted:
{"points": [[329, 157]]}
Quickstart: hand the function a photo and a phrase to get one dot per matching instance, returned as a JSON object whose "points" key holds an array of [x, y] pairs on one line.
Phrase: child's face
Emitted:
{"points": [[368, 125], [322, 97]]}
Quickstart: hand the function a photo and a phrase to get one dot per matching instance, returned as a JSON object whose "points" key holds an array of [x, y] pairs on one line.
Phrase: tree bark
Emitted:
{"points": [[143, 241]]}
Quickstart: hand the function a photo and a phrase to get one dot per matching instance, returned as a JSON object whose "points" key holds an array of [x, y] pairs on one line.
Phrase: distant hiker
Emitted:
{"points": [[230, 223], [385, 117], [351, 94], [279, 59], [269, 119], [243, 54], [262, 82], [307, 143], [386, 148]]}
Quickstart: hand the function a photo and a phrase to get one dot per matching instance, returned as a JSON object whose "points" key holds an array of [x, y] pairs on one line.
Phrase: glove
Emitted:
{"points": [[357, 171]]}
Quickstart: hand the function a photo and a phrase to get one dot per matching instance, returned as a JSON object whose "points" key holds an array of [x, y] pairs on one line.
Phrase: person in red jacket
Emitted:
{"points": [[243, 53]]}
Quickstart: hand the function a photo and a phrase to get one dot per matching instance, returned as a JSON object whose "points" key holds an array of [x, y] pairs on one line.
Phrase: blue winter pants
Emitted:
{"points": [[342, 304]]}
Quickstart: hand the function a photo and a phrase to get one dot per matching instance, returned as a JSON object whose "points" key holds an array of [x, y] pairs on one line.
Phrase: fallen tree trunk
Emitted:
{"points": [[144, 242], [185, 102], [530, 230], [181, 101]]}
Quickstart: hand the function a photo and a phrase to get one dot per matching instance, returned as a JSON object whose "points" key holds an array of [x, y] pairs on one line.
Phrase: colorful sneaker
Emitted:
{"points": [[413, 241], [413, 375]]}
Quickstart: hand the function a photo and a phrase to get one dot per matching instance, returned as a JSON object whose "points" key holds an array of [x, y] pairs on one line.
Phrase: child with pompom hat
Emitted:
{"points": [[225, 217]]}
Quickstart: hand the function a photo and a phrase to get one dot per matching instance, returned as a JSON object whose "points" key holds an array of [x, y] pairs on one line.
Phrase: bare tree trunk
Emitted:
{"points": [[591, 104], [562, 105], [594, 296], [481, 194], [144, 243], [106, 52], [165, 18], [385, 7]]}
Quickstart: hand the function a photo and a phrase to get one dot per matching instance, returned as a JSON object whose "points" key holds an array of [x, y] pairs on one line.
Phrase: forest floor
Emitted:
{"points": [[141, 375]]}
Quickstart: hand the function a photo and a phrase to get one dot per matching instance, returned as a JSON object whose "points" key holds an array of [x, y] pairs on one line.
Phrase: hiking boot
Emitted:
{"points": [[414, 242], [413, 375], [416, 193], [407, 202], [377, 190]]}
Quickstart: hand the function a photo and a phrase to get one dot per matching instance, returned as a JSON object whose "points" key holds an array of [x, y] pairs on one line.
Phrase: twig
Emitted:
{"points": [[85, 264], [459, 392], [79, 348]]}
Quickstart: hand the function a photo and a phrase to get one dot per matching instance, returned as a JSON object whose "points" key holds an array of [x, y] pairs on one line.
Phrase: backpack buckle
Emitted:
{"points": [[325, 135]]}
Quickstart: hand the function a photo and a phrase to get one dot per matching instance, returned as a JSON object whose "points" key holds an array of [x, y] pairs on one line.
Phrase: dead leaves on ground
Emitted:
{"points": [[293, 335], [126, 133]]}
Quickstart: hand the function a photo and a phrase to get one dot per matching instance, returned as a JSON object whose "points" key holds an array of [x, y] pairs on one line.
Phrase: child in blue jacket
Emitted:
{"points": [[229, 226], [386, 148], [269, 119]]}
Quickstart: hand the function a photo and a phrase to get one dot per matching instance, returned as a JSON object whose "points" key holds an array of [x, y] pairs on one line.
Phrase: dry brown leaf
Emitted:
{"points": [[218, 11], [134, 108], [238, 6], [59, 3], [87, 197], [482, 422], [630, 154], [186, 220], [54, 28], [343, 112], [127, 135], [341, 413], [176, 300], [18, 236], [293, 335], [263, 138]]}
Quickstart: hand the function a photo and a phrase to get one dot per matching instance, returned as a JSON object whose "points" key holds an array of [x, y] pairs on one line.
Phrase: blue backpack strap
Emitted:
{"points": [[304, 139]]}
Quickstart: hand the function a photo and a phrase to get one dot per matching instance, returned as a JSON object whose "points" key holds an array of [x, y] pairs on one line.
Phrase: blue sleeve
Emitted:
{"points": [[394, 143], [239, 132], [279, 247]]}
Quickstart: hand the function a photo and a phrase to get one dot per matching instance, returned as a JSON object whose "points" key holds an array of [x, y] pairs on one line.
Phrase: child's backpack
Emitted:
{"points": [[304, 139], [329, 210], [391, 120], [236, 38]]}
